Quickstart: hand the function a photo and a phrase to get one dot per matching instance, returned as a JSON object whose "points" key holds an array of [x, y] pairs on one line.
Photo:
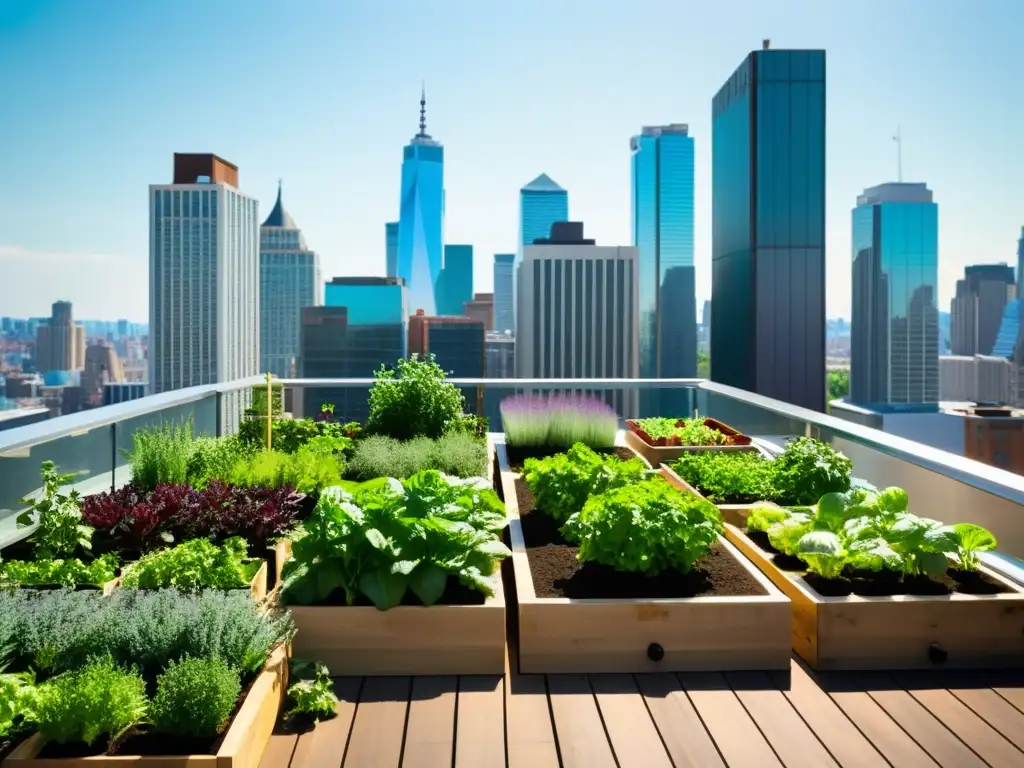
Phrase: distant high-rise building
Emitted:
{"points": [[122, 392], [894, 336], [123, 329], [504, 312], [768, 227], [457, 344], [455, 286], [542, 203], [481, 308], [102, 367], [60, 343], [421, 219], [391, 248], [289, 281], [977, 308], [578, 315], [204, 280], [500, 349], [662, 207], [705, 315]]}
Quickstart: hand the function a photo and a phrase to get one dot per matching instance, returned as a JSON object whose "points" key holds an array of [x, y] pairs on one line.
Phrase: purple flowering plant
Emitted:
{"points": [[558, 420]]}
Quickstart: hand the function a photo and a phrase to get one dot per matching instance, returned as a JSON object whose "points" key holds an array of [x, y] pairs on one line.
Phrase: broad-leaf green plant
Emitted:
{"points": [[58, 514], [312, 694], [194, 564]]}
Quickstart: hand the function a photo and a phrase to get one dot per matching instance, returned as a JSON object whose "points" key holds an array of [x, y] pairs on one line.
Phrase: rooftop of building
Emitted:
{"points": [[896, 192], [542, 183], [278, 215]]}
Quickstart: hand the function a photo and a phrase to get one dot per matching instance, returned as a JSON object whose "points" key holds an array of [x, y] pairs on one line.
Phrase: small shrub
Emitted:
{"points": [[458, 454], [470, 425], [413, 400], [161, 455], [195, 697], [213, 457], [87, 704], [461, 454]]}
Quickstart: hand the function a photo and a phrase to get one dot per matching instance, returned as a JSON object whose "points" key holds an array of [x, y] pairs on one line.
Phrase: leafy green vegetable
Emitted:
{"points": [[647, 528], [195, 697], [389, 537], [59, 573], [192, 565], [808, 469], [18, 699], [973, 539], [309, 470], [59, 515], [413, 399], [763, 516], [683, 431], [312, 694], [562, 483], [728, 476]]}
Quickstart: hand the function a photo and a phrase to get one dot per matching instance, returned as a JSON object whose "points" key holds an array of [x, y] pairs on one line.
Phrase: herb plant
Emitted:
{"points": [[195, 697], [192, 565], [312, 693], [84, 705], [562, 483], [808, 469], [72, 572], [161, 455], [308, 470], [213, 457], [455, 453], [59, 517], [647, 528], [727, 476], [390, 536], [683, 431], [558, 421], [413, 399]]}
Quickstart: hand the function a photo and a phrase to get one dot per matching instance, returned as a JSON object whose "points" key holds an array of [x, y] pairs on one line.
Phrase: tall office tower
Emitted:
{"points": [[455, 286], [976, 310], [102, 367], [457, 344], [421, 218], [60, 344], [289, 281], [504, 312], [578, 311], [391, 249], [373, 333], [542, 203], [894, 336], [768, 227], [662, 207], [204, 280], [481, 308]]}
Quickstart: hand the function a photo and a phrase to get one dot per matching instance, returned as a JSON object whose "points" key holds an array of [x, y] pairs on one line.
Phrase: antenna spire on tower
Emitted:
{"points": [[423, 109], [898, 138]]}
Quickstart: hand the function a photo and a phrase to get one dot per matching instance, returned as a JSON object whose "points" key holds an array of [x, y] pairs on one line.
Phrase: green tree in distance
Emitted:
{"points": [[838, 384], [703, 365]]}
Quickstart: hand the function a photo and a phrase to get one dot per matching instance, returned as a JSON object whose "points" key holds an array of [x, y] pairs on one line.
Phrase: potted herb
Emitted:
{"points": [[660, 440]]}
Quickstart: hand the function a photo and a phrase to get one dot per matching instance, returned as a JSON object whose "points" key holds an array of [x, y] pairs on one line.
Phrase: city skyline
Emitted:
{"points": [[501, 124]]}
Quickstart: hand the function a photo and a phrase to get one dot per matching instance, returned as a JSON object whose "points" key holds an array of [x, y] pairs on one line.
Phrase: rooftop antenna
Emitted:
{"points": [[898, 138], [766, 44], [423, 109]]}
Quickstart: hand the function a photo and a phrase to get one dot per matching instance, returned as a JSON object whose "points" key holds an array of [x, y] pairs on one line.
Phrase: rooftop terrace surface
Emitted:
{"points": [[702, 720]]}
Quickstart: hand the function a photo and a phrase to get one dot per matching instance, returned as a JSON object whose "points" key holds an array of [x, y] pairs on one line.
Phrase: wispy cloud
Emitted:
{"points": [[99, 285]]}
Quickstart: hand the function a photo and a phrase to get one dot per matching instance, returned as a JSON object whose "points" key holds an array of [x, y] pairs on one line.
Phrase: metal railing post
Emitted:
{"points": [[113, 457]]}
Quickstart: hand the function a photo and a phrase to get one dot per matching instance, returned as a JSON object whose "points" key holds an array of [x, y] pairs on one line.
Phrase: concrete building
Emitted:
{"points": [[977, 379], [995, 436], [481, 308], [123, 392], [204, 281], [102, 366], [60, 342], [976, 311]]}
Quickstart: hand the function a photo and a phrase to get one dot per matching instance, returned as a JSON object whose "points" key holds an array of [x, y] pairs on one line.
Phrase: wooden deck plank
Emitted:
{"points": [[845, 743], [735, 734], [325, 744], [529, 735], [582, 741], [994, 710], [794, 743], [934, 737], [480, 739], [873, 722], [686, 739], [278, 753], [634, 738], [376, 739], [430, 731], [1014, 696]]}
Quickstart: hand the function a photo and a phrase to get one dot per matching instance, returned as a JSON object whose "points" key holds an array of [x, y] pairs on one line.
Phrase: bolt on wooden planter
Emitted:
{"points": [[257, 587], [621, 635], [656, 455], [242, 747], [407, 639]]}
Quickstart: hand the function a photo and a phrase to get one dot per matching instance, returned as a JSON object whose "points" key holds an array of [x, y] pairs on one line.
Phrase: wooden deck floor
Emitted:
{"points": [[955, 720]]}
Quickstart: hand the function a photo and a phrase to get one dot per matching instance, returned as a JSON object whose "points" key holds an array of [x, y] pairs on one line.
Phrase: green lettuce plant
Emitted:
{"points": [[312, 693], [18, 697], [72, 572], [193, 565], [389, 536], [561, 484], [647, 528]]}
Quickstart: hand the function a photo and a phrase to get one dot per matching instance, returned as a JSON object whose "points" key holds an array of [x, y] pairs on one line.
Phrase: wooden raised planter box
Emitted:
{"points": [[626, 635], [242, 746], [897, 632], [659, 454], [257, 587]]}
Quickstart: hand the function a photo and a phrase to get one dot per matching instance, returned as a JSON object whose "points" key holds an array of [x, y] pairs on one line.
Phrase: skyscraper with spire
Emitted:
{"points": [[289, 281], [421, 217]]}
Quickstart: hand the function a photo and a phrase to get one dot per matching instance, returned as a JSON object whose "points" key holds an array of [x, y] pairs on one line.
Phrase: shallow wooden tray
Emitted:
{"points": [[242, 747], [617, 635], [659, 454]]}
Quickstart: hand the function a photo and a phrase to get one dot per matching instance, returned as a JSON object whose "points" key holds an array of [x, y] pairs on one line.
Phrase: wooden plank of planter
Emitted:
{"points": [[895, 632], [695, 634], [257, 587], [242, 747], [660, 454], [673, 477]]}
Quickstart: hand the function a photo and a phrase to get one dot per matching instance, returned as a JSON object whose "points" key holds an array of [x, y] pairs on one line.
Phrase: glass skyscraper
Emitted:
{"points": [[768, 227], [289, 281], [542, 202], [455, 287], [894, 340], [662, 208], [504, 314], [421, 218], [391, 248]]}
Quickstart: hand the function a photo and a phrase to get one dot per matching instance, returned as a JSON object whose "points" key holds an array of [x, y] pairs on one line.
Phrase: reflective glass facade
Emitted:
{"points": [[768, 227], [542, 202], [504, 314], [894, 341], [662, 208], [455, 287], [391, 249], [420, 227]]}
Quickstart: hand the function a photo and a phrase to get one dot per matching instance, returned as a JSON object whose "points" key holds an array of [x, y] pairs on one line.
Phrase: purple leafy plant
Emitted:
{"points": [[558, 420]]}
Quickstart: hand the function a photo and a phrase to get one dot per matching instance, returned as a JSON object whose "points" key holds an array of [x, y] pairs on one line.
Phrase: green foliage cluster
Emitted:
{"points": [[561, 484], [309, 470], [861, 530], [389, 536], [194, 564], [312, 693], [455, 453], [195, 697], [70, 572], [647, 527], [289, 435], [18, 699], [469, 424], [213, 458], [838, 384], [161, 455], [683, 431], [806, 470], [412, 400]]}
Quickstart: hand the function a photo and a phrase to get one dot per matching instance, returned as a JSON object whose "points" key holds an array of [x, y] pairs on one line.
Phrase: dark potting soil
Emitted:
{"points": [[557, 572], [496, 479], [882, 583], [517, 455]]}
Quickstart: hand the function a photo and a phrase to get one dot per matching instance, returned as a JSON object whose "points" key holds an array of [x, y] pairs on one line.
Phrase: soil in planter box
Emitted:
{"points": [[882, 583], [496, 479], [557, 573], [518, 455]]}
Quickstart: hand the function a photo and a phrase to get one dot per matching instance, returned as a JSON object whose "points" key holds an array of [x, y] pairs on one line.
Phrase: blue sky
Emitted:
{"points": [[97, 95]]}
